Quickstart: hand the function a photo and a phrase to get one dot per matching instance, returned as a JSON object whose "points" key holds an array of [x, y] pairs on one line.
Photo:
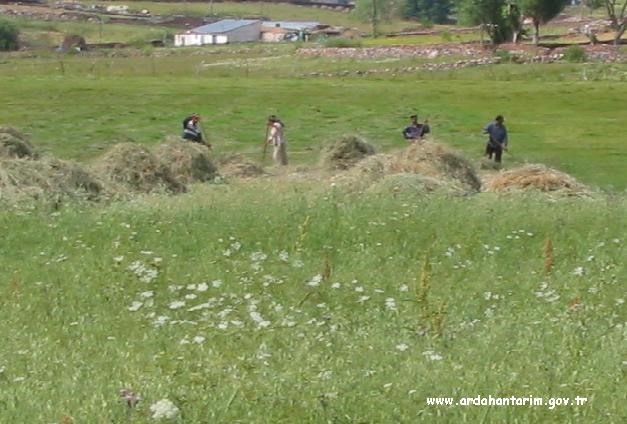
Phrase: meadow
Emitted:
{"points": [[570, 116], [289, 299], [268, 301]]}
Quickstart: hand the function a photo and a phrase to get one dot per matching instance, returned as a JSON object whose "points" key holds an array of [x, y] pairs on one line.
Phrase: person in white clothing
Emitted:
{"points": [[276, 138]]}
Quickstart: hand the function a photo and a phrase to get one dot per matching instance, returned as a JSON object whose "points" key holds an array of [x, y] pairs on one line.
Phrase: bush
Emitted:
{"points": [[8, 35], [341, 42], [575, 54]]}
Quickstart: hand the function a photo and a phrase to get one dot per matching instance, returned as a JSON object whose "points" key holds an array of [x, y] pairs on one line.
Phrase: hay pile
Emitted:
{"points": [[345, 152], [535, 177], [133, 167], [432, 162], [14, 144], [437, 161], [407, 183], [188, 162], [48, 178], [239, 167]]}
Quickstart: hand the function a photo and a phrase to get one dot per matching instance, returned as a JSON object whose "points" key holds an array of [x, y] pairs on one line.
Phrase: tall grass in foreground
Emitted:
{"points": [[269, 302]]}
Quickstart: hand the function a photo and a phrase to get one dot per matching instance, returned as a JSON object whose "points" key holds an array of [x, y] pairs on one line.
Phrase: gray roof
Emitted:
{"points": [[290, 25], [225, 25]]}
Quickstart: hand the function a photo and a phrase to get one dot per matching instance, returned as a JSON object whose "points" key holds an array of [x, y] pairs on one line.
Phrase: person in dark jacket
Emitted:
{"points": [[191, 129], [415, 131], [497, 141]]}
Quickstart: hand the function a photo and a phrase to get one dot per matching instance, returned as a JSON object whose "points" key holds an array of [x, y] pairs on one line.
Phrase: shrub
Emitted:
{"points": [[575, 54], [8, 35], [341, 42]]}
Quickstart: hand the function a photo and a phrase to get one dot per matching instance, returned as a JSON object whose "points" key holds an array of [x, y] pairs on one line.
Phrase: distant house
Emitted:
{"points": [[275, 31], [222, 32]]}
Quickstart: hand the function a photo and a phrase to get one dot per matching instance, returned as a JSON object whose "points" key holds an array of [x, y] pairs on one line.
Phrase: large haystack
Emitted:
{"points": [[238, 166], [46, 179], [433, 162], [14, 144], [135, 168], [188, 162], [437, 161], [345, 152], [535, 177]]}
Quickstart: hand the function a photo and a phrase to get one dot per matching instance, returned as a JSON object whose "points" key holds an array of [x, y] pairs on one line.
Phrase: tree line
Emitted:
{"points": [[501, 20]]}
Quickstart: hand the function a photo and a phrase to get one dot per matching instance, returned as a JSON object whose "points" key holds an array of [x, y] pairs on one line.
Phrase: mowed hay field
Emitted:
{"points": [[76, 108], [291, 298]]}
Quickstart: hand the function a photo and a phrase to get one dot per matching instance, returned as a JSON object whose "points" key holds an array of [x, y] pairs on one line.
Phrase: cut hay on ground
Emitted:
{"points": [[237, 166], [535, 177], [188, 162], [412, 184], [345, 153], [14, 144], [437, 161], [46, 179], [432, 161], [133, 167]]}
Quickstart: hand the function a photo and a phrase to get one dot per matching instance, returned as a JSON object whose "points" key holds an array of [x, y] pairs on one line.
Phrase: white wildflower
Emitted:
{"points": [[403, 288], [198, 339], [176, 304], [191, 287], [298, 263], [284, 256], [201, 287], [164, 409], [620, 301], [336, 285], [390, 303], [363, 299], [432, 356], [579, 271], [315, 280], [258, 256], [118, 259], [216, 283], [359, 289], [146, 294], [190, 296], [162, 319], [402, 347], [135, 306]]}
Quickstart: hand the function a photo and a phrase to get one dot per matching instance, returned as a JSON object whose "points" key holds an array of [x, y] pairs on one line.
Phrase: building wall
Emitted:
{"points": [[244, 34], [181, 40], [250, 32]]}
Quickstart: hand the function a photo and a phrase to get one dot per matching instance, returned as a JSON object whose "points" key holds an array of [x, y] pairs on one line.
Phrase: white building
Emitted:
{"points": [[275, 31], [222, 32]]}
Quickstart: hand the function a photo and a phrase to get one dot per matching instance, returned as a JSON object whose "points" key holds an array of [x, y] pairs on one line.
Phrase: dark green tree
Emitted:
{"points": [[488, 14], [541, 11], [9, 34], [377, 11], [616, 12], [436, 11]]}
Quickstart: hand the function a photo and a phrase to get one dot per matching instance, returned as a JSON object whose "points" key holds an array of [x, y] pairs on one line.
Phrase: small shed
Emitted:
{"points": [[222, 32], [275, 31]]}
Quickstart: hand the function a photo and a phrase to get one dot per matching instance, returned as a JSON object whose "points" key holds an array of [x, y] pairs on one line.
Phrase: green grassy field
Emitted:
{"points": [[568, 116], [286, 299], [272, 302]]}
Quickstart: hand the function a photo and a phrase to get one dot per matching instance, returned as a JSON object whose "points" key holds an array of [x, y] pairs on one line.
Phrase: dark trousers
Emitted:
{"points": [[193, 137], [495, 150]]}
